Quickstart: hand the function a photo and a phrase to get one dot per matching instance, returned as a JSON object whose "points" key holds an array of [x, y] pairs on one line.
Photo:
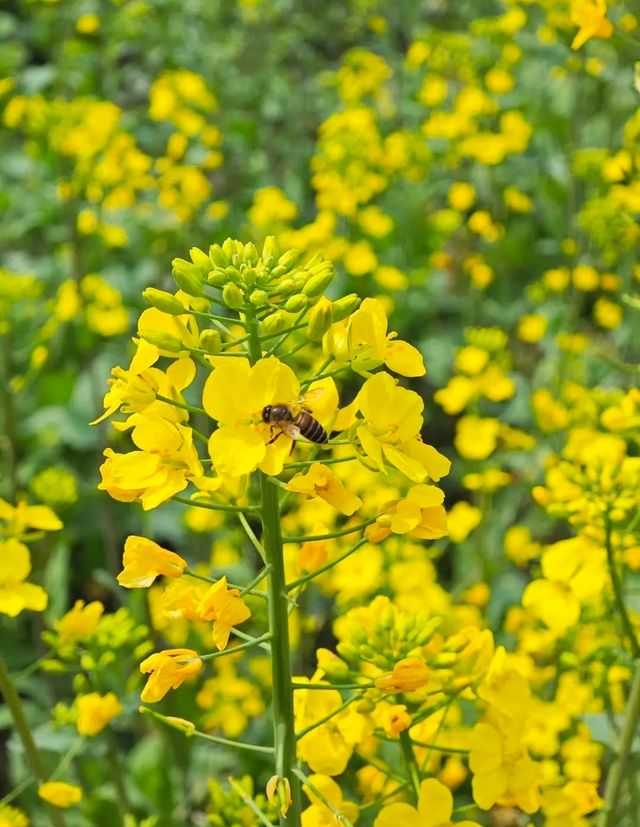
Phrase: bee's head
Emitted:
{"points": [[266, 413]]}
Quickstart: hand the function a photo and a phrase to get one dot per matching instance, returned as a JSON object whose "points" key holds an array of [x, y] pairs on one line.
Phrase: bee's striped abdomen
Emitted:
{"points": [[310, 428]]}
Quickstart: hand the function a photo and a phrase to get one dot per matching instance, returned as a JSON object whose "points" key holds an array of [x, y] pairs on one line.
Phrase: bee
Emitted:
{"points": [[294, 419]]}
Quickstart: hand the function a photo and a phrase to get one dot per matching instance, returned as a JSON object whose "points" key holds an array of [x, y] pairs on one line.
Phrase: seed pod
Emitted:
{"points": [[163, 300], [211, 341], [233, 296]]}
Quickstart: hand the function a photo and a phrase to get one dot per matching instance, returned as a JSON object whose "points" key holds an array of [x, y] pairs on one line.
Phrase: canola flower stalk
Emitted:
{"points": [[14, 704], [278, 603]]}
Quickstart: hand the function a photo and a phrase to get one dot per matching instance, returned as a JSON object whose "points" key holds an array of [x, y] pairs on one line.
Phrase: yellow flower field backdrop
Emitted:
{"points": [[320, 449]]}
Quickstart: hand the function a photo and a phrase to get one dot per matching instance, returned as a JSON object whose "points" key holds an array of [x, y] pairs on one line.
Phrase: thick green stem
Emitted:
{"points": [[410, 763], [284, 737], [14, 704], [618, 771], [617, 590], [282, 705]]}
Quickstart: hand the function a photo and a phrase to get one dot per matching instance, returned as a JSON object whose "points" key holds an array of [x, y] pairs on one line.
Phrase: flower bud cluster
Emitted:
{"points": [[247, 278], [382, 634]]}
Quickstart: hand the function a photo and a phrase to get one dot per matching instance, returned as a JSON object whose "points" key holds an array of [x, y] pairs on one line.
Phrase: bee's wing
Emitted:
{"points": [[308, 399]]}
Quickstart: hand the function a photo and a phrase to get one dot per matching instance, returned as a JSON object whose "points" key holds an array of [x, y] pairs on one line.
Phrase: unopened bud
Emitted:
{"points": [[345, 306], [250, 254], [317, 284], [163, 300], [274, 323], [249, 276], [161, 339], [233, 296], [187, 276], [320, 319], [217, 277], [201, 305], [259, 298], [229, 248], [200, 259], [286, 286], [211, 341], [218, 256], [294, 304], [289, 259], [270, 248]]}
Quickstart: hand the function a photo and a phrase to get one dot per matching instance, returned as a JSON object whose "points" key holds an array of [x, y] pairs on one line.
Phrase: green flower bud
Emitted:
{"points": [[278, 271], [200, 305], [229, 248], [200, 259], [320, 319], [270, 248], [211, 341], [345, 306], [294, 304], [232, 274], [217, 277], [286, 286], [318, 283], [233, 296], [218, 256], [274, 323], [163, 300], [250, 253], [289, 259], [187, 276], [161, 339], [259, 297], [249, 276]]}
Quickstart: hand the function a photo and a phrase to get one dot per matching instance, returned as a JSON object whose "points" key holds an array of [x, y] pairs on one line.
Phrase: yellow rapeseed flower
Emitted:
{"points": [[60, 794]]}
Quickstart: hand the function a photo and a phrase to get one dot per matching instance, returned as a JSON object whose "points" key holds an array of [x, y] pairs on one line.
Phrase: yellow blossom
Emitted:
{"points": [[16, 594], [435, 808], [80, 622], [167, 459], [419, 514], [408, 675], [225, 607], [95, 711], [320, 481], [391, 430], [168, 670], [60, 794], [590, 17], [319, 814], [235, 396], [363, 341], [144, 560]]}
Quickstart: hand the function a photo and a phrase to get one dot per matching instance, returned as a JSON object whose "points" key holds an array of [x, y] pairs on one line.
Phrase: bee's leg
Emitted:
{"points": [[293, 445], [273, 438]]}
